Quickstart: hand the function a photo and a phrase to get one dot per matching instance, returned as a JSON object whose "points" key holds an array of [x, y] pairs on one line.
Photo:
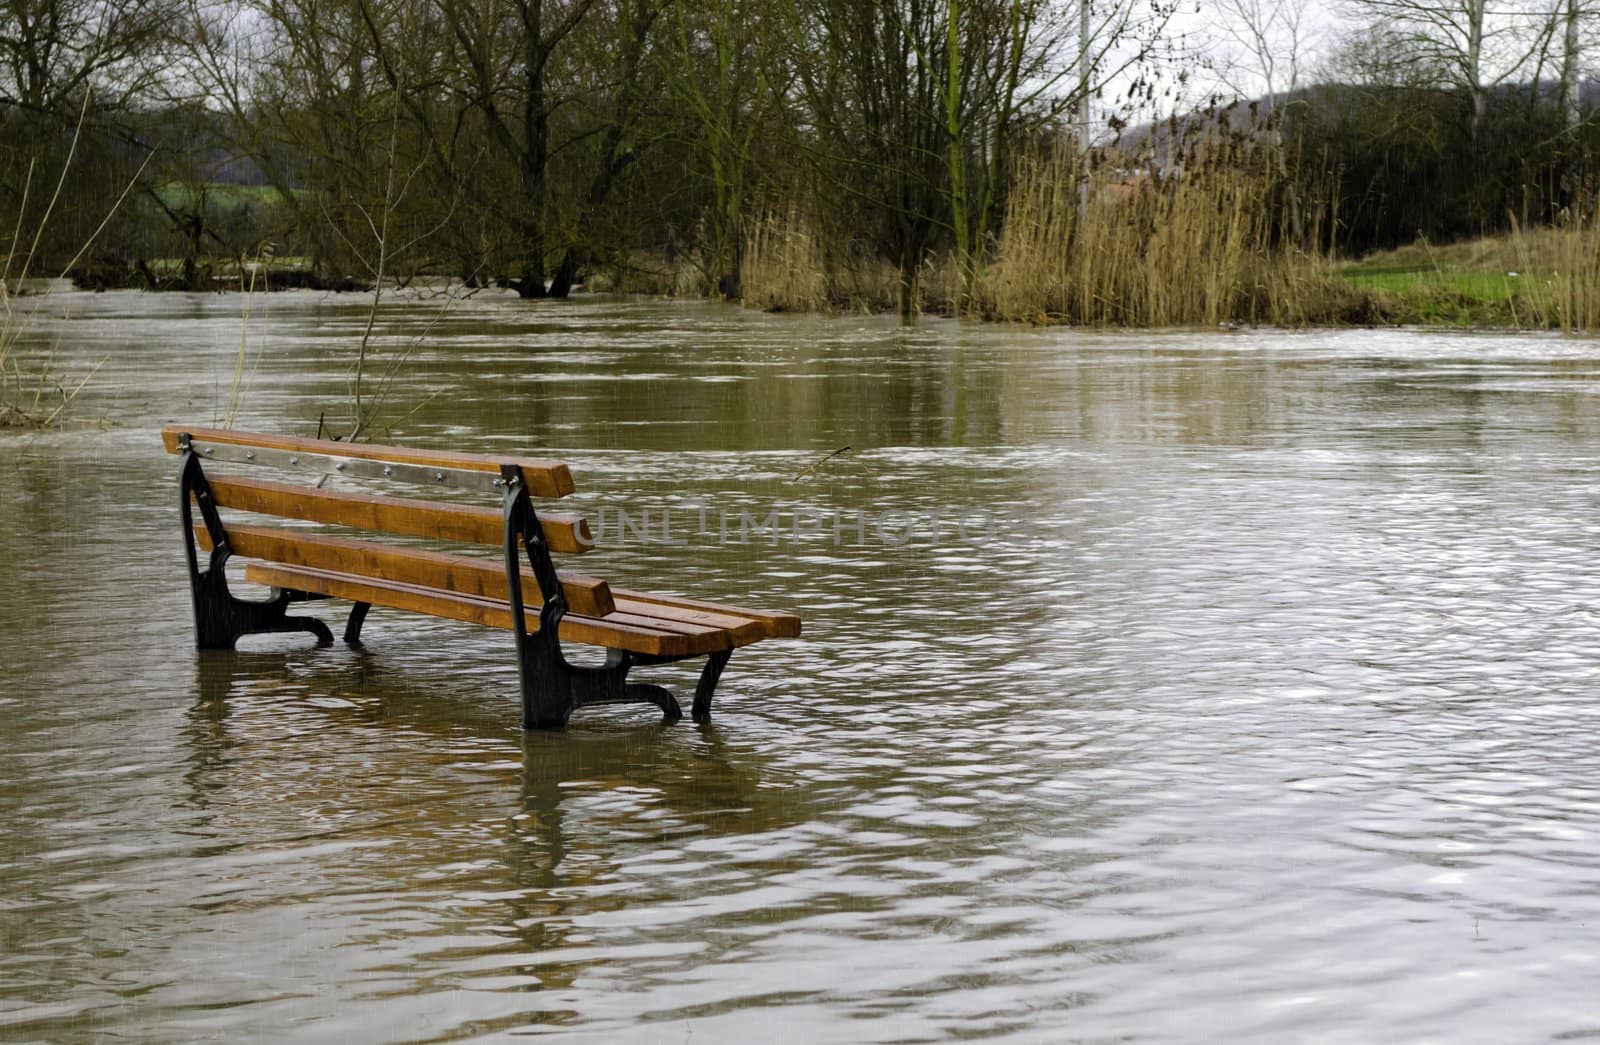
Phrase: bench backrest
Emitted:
{"points": [[445, 469], [514, 525]]}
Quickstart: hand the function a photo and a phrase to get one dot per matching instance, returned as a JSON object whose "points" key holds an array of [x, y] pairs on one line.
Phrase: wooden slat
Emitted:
{"points": [[479, 578], [774, 624], [611, 632], [741, 630], [462, 574], [544, 478], [470, 524]]}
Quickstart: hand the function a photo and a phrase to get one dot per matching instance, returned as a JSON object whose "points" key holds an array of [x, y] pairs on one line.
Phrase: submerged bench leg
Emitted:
{"points": [[661, 697], [352, 626], [552, 688], [220, 619], [709, 676], [549, 697]]}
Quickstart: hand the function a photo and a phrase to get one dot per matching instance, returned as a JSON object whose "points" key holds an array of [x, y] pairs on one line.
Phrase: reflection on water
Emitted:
{"points": [[1276, 719]]}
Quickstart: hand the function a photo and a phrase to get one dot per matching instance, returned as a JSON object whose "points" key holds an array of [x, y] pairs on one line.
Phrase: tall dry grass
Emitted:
{"points": [[1559, 269], [795, 262], [1201, 242], [784, 268], [1218, 235]]}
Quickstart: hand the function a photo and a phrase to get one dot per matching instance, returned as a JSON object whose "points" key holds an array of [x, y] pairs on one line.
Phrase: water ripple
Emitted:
{"points": [[1268, 714]]}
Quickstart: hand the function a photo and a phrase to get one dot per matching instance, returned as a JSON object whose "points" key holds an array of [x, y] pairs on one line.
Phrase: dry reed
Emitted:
{"points": [[784, 269], [1559, 269], [1202, 243], [1220, 235]]}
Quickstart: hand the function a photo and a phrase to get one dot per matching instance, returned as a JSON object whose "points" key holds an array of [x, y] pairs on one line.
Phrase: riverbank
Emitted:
{"points": [[1525, 280], [1528, 280], [221, 275], [1520, 281], [1229, 243]]}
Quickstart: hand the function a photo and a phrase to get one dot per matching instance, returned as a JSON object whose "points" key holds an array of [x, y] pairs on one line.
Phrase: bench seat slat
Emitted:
{"points": [[479, 578], [617, 631], [742, 630], [470, 524], [774, 624], [545, 478], [462, 574]]}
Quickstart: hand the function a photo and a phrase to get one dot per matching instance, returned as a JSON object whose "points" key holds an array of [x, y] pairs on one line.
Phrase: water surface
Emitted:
{"points": [[1259, 702]]}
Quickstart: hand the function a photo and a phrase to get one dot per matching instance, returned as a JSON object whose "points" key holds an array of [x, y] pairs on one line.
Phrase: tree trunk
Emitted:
{"points": [[531, 285], [566, 275], [910, 269], [1569, 68], [1480, 97], [195, 227], [956, 156]]}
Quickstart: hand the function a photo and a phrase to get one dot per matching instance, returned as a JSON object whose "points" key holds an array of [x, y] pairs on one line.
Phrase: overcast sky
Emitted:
{"points": [[1207, 39]]}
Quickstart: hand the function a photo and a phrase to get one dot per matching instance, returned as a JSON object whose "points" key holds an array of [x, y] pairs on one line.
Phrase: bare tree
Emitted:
{"points": [[1268, 40], [715, 70], [1463, 43], [617, 58], [53, 51], [912, 108], [1572, 19], [76, 76], [1040, 60]]}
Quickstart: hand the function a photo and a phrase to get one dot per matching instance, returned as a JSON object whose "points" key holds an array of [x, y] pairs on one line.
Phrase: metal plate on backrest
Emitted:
{"points": [[439, 476]]}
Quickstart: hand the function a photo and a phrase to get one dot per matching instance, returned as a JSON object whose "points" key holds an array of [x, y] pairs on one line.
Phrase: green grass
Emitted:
{"points": [[1485, 287], [1474, 283], [283, 263], [220, 194]]}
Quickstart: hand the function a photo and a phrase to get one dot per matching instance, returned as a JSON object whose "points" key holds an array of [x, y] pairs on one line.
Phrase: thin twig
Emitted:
{"points": [[16, 233], [244, 341], [68, 397], [72, 150], [819, 464]]}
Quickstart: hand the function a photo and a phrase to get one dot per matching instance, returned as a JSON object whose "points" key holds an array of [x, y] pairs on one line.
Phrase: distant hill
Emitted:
{"points": [[1245, 114]]}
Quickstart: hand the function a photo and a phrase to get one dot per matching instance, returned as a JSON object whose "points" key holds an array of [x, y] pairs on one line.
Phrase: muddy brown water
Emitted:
{"points": [[1246, 687]]}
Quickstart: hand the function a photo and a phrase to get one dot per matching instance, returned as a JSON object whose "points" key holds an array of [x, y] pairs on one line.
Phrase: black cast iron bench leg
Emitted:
{"points": [[709, 676], [352, 625], [553, 688], [221, 619]]}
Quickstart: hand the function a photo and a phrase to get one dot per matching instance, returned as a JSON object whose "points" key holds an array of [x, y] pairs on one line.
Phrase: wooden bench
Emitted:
{"points": [[303, 563]]}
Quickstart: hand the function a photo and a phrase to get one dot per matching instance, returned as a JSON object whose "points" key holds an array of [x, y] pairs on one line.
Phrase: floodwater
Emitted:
{"points": [[1246, 686]]}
